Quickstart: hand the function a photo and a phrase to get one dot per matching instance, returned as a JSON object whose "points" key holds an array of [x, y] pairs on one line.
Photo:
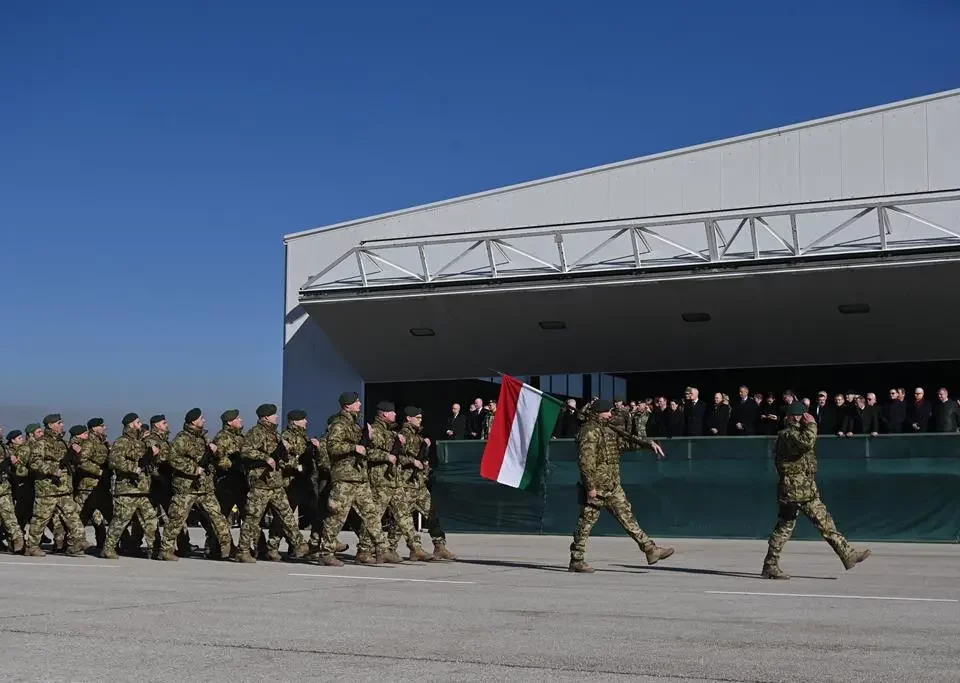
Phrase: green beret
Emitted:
{"points": [[796, 408], [157, 418], [412, 411], [602, 406], [295, 415], [386, 407], [266, 410], [129, 418], [32, 427], [192, 415], [229, 415], [13, 435], [77, 430], [348, 398], [52, 418], [94, 422]]}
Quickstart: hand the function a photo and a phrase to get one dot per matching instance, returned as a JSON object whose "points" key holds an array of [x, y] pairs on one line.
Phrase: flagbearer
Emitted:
{"points": [[600, 448]]}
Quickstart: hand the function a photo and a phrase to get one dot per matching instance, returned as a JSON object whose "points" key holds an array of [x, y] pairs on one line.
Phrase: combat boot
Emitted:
{"points": [[365, 558], [34, 552], [392, 556], [853, 558], [329, 561], [272, 556], [17, 546], [109, 554], [655, 553], [440, 552], [75, 551], [244, 557], [342, 547], [419, 555], [580, 567], [774, 572], [169, 556], [299, 552]]}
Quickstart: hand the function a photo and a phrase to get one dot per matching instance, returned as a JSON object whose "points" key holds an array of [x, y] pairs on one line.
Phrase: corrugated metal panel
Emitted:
{"points": [[665, 187], [943, 141], [861, 144], [905, 150], [780, 169], [740, 170], [702, 186], [820, 163], [628, 192]]}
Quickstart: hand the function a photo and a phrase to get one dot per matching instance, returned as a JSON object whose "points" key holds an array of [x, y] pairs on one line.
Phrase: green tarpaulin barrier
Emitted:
{"points": [[885, 488]]}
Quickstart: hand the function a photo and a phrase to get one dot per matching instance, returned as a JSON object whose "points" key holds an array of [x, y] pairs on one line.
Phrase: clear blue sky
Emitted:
{"points": [[151, 159]]}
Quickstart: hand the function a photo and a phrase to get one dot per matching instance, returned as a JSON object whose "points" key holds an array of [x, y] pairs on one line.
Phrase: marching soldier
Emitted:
{"points": [[600, 448], [385, 445], [796, 461], [161, 484], [323, 485], [231, 482], [51, 463], [8, 463], [415, 466], [92, 488], [193, 461], [267, 459], [132, 462], [301, 485]]}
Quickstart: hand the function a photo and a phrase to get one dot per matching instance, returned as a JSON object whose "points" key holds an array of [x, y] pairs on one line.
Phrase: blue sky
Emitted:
{"points": [[152, 158]]}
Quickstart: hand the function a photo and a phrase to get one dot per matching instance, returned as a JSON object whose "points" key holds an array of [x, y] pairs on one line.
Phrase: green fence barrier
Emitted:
{"points": [[885, 488]]}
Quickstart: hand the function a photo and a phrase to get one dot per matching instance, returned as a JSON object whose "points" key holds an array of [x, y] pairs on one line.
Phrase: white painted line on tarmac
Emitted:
{"points": [[378, 578], [69, 565], [835, 597]]}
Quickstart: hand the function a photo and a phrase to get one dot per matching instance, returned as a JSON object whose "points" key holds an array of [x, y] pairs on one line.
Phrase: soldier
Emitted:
{"points": [[266, 458], [300, 486], [193, 462], [161, 485], [231, 484], [8, 462], [78, 436], [488, 417], [92, 488], [323, 486], [351, 483], [50, 464], [796, 460], [132, 462], [640, 419], [415, 466], [23, 485], [383, 449], [600, 446]]}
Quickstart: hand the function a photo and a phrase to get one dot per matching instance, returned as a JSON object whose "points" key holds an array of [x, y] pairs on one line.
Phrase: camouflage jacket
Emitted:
{"points": [[599, 449], [162, 441], [299, 443], [186, 453], [48, 466], [343, 437], [487, 424], [621, 418], [639, 427], [796, 461], [6, 468], [229, 443], [413, 449], [383, 442], [94, 453], [261, 443], [22, 451], [124, 460]]}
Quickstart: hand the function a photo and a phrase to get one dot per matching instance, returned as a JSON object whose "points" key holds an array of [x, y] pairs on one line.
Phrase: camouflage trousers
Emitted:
{"points": [[817, 513], [394, 501], [44, 508], [343, 496], [125, 508], [616, 504], [258, 500], [90, 504], [418, 500], [9, 518], [179, 510]]}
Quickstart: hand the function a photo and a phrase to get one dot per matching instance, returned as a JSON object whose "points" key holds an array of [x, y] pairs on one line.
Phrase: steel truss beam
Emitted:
{"points": [[546, 252]]}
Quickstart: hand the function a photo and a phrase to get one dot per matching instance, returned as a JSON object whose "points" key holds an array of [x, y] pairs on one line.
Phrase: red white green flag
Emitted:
{"points": [[521, 429]]}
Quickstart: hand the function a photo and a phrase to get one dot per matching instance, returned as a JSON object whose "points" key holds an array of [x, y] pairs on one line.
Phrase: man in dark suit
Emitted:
{"points": [[918, 413], [894, 414], [743, 418], [694, 412], [871, 415], [946, 417], [717, 418], [474, 421], [456, 423]]}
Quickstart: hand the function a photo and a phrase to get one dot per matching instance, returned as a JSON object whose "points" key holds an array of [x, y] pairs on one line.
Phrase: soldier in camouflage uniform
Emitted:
{"points": [[384, 450], [297, 482], [25, 488], [796, 461], [415, 472], [488, 416], [620, 416], [351, 483], [323, 485], [640, 418], [8, 463], [193, 462], [50, 463], [265, 457], [161, 485], [600, 447], [92, 488], [132, 462], [231, 481]]}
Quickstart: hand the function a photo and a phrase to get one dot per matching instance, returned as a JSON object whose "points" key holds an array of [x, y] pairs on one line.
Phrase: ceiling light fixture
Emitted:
{"points": [[553, 325], [696, 317], [853, 309], [422, 332]]}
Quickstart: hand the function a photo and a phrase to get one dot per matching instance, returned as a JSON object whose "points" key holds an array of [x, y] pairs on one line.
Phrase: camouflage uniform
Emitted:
{"points": [[53, 493], [599, 451], [796, 461], [298, 485], [8, 516], [351, 487], [161, 489], [266, 489], [639, 427], [131, 495], [487, 424], [191, 488], [388, 493], [417, 493], [75, 446], [231, 482], [92, 490]]}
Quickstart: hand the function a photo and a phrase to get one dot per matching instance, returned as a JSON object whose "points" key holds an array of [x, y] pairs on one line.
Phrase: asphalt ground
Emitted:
{"points": [[508, 610]]}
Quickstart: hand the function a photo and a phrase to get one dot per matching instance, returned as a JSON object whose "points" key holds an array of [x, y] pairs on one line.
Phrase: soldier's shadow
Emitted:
{"points": [[717, 572], [544, 567]]}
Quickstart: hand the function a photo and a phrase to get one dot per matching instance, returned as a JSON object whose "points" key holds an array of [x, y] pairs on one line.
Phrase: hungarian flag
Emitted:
{"points": [[519, 434]]}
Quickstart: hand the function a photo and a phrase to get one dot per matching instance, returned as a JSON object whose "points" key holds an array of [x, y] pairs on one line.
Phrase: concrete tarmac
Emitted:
{"points": [[508, 610]]}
